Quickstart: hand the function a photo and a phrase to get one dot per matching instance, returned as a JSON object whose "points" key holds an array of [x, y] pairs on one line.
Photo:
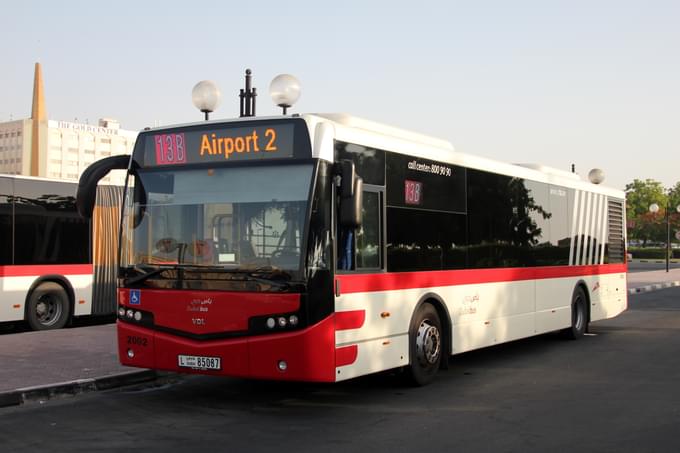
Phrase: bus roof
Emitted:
{"points": [[370, 133]]}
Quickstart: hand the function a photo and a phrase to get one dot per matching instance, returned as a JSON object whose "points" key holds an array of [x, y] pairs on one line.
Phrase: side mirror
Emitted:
{"points": [[87, 184], [350, 207], [348, 175], [140, 201], [351, 195]]}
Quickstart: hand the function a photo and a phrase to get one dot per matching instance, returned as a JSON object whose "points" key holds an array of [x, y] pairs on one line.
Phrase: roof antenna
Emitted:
{"points": [[248, 96]]}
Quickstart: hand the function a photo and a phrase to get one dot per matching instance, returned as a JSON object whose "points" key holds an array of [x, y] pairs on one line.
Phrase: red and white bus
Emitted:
{"points": [[51, 266], [326, 247]]}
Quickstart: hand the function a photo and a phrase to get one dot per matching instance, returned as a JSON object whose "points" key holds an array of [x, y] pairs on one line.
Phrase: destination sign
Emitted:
{"points": [[221, 144]]}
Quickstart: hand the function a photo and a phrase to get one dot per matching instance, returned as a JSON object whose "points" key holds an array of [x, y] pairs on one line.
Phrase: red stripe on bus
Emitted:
{"points": [[346, 320], [346, 355], [359, 283], [45, 269]]}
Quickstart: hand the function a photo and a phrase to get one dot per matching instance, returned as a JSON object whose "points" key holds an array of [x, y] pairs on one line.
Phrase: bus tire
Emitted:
{"points": [[425, 345], [579, 315], [48, 307]]}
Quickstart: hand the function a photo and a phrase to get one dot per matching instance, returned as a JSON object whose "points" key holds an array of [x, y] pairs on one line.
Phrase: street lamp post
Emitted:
{"points": [[654, 208]]}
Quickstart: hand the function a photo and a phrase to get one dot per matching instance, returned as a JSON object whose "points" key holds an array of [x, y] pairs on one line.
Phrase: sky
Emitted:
{"points": [[593, 83]]}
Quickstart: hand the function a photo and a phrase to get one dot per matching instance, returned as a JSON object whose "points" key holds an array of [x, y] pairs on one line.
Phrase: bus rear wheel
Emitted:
{"points": [[425, 345], [48, 307], [579, 315]]}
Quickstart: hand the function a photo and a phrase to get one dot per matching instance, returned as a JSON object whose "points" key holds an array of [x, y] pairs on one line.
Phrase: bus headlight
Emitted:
{"points": [[280, 322], [128, 315]]}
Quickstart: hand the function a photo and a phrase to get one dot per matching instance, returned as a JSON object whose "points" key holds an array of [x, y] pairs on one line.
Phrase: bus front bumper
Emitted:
{"points": [[305, 355]]}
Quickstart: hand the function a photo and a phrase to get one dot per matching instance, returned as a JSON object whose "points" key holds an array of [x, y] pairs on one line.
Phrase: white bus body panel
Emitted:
{"points": [[481, 315], [15, 293]]}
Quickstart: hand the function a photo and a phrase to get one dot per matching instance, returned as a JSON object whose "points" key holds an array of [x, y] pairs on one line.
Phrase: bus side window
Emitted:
{"points": [[360, 248], [368, 236]]}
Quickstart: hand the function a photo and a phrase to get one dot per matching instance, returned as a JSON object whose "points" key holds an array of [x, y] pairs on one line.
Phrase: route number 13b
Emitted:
{"points": [[170, 149], [413, 192]]}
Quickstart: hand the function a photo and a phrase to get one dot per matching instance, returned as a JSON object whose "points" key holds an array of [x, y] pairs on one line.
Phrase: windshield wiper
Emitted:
{"points": [[148, 274], [267, 281], [252, 276], [273, 271]]}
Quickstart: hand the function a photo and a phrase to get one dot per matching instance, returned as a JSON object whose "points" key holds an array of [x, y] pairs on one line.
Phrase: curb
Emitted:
{"points": [[655, 287], [647, 260], [76, 387]]}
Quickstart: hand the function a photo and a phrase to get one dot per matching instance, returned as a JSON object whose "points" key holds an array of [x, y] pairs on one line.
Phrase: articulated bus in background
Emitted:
{"points": [[54, 264], [326, 247]]}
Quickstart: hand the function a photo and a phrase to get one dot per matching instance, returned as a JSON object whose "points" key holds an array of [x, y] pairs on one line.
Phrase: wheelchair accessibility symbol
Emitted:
{"points": [[135, 297]]}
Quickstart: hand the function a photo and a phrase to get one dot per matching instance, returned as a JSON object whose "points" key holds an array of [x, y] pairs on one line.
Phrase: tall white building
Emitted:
{"points": [[71, 147], [59, 149]]}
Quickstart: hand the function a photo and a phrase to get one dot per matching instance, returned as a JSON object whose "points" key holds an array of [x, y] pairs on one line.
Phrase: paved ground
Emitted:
{"points": [[40, 365], [78, 353]]}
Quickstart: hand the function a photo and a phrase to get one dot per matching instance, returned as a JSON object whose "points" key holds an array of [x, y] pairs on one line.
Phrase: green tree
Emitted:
{"points": [[640, 195], [674, 196], [674, 202]]}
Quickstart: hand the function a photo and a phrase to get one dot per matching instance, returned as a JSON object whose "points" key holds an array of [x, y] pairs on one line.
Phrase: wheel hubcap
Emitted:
{"points": [[428, 343], [48, 310]]}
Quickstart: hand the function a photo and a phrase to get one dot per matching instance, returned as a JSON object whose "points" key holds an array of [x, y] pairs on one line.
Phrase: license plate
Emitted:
{"points": [[199, 362]]}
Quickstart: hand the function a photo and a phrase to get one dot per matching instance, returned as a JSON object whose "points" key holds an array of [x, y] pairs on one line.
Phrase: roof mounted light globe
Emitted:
{"points": [[596, 176], [285, 91], [206, 96]]}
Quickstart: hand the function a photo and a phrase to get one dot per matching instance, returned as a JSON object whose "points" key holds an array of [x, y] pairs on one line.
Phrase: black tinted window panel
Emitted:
{"points": [[561, 201], [502, 222], [6, 221], [546, 208], [368, 162], [48, 227], [368, 250], [425, 184], [420, 240]]}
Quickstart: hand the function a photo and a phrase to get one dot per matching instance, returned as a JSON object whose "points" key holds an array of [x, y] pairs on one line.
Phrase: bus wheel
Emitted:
{"points": [[425, 345], [579, 315], [48, 307]]}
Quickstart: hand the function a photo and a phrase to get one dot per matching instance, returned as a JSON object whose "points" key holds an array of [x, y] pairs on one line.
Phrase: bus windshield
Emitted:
{"points": [[230, 219]]}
